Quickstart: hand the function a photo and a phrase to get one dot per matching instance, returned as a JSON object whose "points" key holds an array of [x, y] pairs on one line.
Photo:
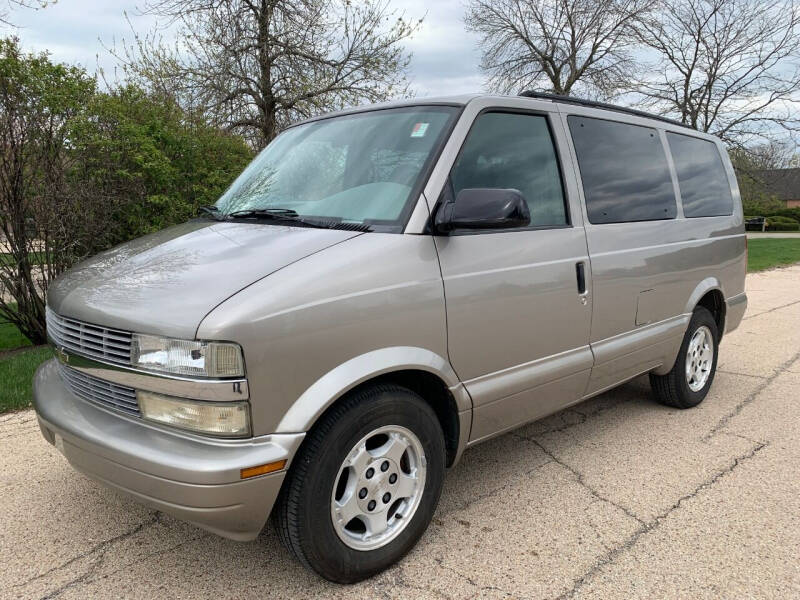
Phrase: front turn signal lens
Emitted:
{"points": [[263, 469]]}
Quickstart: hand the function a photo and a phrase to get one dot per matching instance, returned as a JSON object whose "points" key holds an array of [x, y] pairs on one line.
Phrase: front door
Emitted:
{"points": [[518, 318]]}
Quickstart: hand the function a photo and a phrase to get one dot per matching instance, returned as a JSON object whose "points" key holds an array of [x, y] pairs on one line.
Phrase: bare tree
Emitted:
{"points": [[729, 67], [43, 219], [257, 65], [9, 4], [556, 44]]}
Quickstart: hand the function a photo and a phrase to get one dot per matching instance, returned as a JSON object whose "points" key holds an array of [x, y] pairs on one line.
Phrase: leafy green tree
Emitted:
{"points": [[153, 163], [749, 164], [83, 170], [40, 211]]}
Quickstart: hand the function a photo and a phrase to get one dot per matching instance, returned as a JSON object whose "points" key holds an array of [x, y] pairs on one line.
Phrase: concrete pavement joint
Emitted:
{"points": [[495, 491], [766, 312], [743, 437], [581, 481], [102, 547], [742, 374], [159, 553], [723, 422], [584, 416], [468, 579], [655, 523]]}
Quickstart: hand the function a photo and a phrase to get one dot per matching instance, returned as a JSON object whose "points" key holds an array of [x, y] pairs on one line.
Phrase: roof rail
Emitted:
{"points": [[597, 104]]}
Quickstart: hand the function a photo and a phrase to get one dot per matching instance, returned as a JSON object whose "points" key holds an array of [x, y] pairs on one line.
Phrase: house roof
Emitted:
{"points": [[783, 183]]}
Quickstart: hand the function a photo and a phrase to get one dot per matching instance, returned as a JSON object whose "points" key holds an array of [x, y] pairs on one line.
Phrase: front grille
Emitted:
{"points": [[99, 391], [93, 341]]}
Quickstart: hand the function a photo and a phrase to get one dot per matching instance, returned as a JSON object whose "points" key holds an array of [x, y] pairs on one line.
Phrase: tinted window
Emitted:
{"points": [[506, 150], [705, 190], [624, 171]]}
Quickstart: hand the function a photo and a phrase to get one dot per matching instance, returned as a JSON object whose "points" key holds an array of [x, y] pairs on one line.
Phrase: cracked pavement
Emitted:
{"points": [[617, 497]]}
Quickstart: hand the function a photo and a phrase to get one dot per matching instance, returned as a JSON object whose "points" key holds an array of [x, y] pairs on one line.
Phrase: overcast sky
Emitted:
{"points": [[444, 56]]}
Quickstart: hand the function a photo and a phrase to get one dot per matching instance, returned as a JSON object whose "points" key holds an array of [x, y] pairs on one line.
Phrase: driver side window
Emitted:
{"points": [[512, 150]]}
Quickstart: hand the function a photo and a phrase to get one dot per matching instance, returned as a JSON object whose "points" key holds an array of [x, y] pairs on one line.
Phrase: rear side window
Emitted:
{"points": [[624, 171], [705, 190], [510, 150]]}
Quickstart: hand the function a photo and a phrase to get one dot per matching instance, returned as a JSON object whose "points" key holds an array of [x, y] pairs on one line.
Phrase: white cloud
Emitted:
{"points": [[444, 56]]}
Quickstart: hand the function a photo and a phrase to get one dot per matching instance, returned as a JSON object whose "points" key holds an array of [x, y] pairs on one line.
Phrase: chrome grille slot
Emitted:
{"points": [[93, 341], [100, 392]]}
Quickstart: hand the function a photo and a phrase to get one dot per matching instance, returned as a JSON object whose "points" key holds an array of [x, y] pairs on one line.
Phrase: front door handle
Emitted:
{"points": [[580, 273]]}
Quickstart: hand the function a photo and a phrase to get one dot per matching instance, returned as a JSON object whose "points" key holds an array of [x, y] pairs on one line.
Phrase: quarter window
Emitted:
{"points": [[512, 150], [624, 171], [705, 190]]}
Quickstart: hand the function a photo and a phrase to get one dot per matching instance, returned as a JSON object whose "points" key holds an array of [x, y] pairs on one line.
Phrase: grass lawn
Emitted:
{"points": [[765, 253], [11, 338], [16, 375], [17, 368]]}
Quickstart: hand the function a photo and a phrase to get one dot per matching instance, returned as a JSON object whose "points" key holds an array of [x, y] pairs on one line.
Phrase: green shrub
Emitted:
{"points": [[783, 227], [792, 213], [780, 219], [84, 169]]}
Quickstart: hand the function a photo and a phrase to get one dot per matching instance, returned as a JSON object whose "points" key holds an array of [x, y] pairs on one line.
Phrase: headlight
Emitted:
{"points": [[227, 419], [186, 357]]}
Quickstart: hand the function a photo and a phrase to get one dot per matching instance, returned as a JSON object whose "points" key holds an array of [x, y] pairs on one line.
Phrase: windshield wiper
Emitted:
{"points": [[287, 214], [264, 213], [211, 211]]}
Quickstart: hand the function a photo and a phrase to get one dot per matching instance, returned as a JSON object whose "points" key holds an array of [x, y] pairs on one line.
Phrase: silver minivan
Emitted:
{"points": [[381, 289]]}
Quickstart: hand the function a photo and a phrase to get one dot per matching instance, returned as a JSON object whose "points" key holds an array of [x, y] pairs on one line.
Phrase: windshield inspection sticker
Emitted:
{"points": [[419, 130]]}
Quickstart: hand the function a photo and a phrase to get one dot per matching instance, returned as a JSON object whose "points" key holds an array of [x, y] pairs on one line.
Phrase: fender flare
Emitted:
{"points": [[334, 384], [708, 284]]}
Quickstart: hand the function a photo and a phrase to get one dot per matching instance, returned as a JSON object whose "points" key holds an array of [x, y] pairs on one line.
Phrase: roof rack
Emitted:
{"points": [[597, 104]]}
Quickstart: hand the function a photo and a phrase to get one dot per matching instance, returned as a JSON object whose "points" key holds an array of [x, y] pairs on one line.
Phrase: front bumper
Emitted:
{"points": [[194, 478]]}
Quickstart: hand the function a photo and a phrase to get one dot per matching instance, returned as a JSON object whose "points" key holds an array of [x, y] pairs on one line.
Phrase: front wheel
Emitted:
{"points": [[364, 485], [687, 384]]}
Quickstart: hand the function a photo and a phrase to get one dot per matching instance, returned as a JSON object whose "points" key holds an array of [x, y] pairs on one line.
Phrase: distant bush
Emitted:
{"points": [[152, 162], [779, 223], [784, 227], [792, 213]]}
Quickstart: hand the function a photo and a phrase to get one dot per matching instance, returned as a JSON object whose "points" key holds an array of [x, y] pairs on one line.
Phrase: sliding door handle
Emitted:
{"points": [[580, 273]]}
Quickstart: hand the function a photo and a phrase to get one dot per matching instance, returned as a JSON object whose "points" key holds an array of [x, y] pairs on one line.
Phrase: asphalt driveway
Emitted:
{"points": [[616, 498]]}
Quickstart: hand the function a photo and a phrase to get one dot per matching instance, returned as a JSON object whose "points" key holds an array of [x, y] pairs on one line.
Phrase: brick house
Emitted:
{"points": [[784, 184]]}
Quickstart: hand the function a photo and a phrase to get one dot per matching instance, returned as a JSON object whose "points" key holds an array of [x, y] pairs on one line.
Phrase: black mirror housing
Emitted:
{"points": [[484, 208]]}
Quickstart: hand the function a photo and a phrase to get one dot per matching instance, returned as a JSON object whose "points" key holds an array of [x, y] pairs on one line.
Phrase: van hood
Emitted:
{"points": [[165, 283]]}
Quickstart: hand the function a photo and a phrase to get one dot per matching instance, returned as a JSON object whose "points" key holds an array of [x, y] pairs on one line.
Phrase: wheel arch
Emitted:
{"points": [[418, 369], [710, 295]]}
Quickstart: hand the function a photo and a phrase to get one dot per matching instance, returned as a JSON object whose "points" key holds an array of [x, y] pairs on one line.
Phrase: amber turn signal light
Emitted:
{"points": [[262, 469]]}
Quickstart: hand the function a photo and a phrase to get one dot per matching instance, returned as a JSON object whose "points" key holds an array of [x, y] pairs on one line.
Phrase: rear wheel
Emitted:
{"points": [[687, 384], [364, 484]]}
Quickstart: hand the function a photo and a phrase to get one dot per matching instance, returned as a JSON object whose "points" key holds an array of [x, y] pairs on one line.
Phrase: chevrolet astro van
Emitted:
{"points": [[379, 290]]}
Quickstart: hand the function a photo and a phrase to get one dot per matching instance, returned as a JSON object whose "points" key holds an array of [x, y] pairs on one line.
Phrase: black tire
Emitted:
{"points": [[672, 389], [302, 514]]}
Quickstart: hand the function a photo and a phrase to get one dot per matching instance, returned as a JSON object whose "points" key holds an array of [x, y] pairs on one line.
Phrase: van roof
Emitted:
{"points": [[603, 105], [463, 99]]}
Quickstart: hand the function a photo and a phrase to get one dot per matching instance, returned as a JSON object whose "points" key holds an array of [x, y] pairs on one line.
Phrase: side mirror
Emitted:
{"points": [[483, 208]]}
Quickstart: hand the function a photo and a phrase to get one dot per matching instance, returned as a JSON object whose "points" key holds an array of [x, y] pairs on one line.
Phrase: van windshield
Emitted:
{"points": [[363, 168]]}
